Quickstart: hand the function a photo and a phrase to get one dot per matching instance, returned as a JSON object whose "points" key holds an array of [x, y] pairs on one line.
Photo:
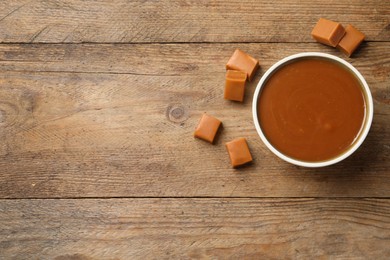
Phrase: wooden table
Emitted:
{"points": [[98, 104]]}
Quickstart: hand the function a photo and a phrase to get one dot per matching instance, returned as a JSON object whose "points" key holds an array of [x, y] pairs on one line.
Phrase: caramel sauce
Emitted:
{"points": [[312, 109]]}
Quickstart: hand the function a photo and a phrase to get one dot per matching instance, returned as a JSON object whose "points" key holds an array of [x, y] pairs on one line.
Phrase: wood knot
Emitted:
{"points": [[16, 106], [177, 113], [8, 113]]}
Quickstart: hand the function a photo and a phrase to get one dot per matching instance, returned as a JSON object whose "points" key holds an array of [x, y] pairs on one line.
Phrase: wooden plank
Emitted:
{"points": [[117, 121], [49, 21], [195, 228]]}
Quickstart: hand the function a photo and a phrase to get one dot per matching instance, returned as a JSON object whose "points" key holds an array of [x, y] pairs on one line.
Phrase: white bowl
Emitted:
{"points": [[368, 116]]}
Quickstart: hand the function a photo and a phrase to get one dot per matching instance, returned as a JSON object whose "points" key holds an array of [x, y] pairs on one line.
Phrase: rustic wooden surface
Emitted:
{"points": [[183, 20], [98, 102], [155, 228]]}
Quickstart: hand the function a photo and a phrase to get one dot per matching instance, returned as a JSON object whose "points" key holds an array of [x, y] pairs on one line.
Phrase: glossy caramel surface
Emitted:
{"points": [[311, 109]]}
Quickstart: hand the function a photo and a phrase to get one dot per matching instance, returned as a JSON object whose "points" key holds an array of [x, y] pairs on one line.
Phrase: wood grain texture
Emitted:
{"points": [[117, 120], [195, 228], [53, 21], [98, 103]]}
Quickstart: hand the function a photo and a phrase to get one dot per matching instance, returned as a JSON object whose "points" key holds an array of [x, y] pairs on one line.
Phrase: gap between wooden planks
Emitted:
{"points": [[68, 115]]}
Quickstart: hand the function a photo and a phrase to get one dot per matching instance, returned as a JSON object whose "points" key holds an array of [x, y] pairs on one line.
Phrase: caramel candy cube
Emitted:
{"points": [[238, 152], [243, 62], [207, 128], [351, 40], [235, 85], [328, 32]]}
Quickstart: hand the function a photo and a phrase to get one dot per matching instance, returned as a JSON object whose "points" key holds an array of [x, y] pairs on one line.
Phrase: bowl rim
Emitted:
{"points": [[366, 126]]}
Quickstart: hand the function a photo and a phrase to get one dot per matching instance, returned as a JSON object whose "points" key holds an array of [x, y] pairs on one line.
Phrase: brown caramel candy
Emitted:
{"points": [[238, 152], [351, 40], [243, 62], [235, 85], [207, 128], [328, 32]]}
